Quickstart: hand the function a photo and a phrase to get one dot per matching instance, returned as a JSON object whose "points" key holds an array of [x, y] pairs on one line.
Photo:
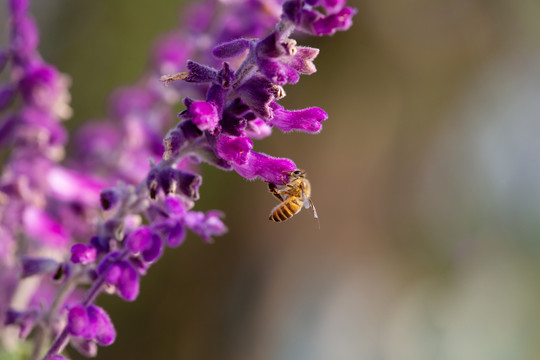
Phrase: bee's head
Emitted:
{"points": [[298, 173]]}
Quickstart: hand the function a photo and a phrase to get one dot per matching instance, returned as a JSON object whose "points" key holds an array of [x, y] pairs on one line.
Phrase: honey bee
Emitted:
{"points": [[293, 195]]}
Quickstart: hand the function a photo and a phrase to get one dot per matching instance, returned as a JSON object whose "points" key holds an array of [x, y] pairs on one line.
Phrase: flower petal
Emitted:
{"points": [[268, 168]]}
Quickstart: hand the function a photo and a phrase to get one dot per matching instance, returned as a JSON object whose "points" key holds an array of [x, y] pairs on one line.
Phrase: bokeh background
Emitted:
{"points": [[426, 178]]}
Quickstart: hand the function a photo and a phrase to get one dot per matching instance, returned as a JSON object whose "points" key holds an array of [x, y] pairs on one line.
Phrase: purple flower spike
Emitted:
{"points": [[231, 49], [77, 320], [51, 202], [268, 168], [205, 115], [105, 334], [83, 254], [36, 266], [340, 21], [234, 149], [306, 120], [139, 240], [128, 283]]}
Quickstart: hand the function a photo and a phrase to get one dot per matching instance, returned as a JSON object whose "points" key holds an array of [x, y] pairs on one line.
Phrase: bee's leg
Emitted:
{"points": [[274, 190]]}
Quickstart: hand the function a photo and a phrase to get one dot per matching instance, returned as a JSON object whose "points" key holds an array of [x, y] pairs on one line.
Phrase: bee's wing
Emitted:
{"points": [[307, 201]]}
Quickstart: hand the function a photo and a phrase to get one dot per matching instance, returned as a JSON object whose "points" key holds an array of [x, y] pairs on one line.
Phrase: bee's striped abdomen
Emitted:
{"points": [[286, 210]]}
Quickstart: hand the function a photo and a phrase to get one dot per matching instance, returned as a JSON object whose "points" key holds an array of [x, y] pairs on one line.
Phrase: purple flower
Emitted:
{"points": [[91, 322], [24, 38], [257, 93], [206, 225], [171, 226], [139, 240], [69, 185], [339, 21], [173, 181], [83, 254], [258, 129], [205, 115], [234, 149], [268, 168], [128, 282], [306, 120], [43, 228], [109, 198], [333, 6], [18, 7], [77, 320], [176, 233], [104, 332]]}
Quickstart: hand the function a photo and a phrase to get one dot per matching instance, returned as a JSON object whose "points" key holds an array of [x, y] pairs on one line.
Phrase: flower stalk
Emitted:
{"points": [[50, 204]]}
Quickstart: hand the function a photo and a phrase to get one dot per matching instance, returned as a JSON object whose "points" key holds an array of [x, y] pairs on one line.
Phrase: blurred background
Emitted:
{"points": [[426, 178]]}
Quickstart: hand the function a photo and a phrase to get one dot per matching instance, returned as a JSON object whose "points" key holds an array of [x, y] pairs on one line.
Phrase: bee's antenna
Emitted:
{"points": [[315, 213]]}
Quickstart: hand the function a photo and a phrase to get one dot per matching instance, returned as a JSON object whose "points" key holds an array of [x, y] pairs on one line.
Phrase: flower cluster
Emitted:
{"points": [[128, 208]]}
